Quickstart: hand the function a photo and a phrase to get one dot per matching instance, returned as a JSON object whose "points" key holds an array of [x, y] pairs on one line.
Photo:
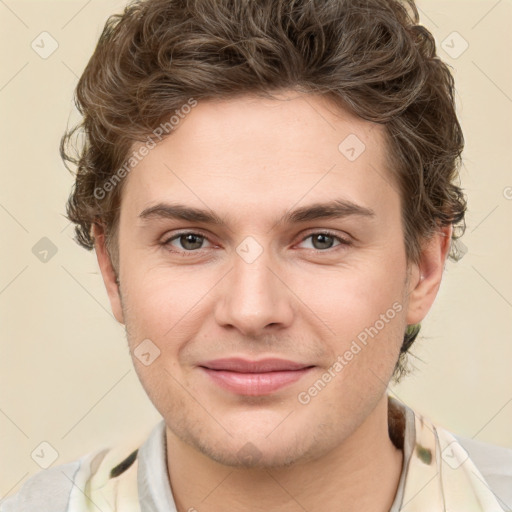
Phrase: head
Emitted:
{"points": [[321, 144]]}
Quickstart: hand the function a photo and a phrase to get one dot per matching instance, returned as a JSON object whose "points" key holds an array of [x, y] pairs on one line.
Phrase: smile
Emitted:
{"points": [[253, 378]]}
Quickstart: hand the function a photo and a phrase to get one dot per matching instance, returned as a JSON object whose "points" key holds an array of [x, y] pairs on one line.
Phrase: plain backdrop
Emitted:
{"points": [[66, 375]]}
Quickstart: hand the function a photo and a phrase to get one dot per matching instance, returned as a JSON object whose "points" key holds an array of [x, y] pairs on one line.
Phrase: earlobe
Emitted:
{"points": [[426, 275], [107, 271]]}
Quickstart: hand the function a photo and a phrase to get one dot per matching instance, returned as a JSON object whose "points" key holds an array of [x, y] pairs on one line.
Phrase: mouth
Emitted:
{"points": [[254, 378]]}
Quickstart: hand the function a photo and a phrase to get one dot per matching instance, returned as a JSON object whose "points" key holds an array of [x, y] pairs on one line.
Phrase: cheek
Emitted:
{"points": [[350, 299], [365, 312], [363, 354], [157, 300]]}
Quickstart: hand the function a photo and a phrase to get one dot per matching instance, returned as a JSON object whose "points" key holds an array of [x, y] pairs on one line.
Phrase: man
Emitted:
{"points": [[270, 188]]}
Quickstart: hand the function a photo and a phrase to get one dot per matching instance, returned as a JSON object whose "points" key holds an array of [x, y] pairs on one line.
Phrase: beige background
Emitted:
{"points": [[66, 375]]}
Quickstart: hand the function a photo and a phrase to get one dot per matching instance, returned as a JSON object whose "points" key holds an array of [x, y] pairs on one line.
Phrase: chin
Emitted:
{"points": [[253, 455], [259, 446]]}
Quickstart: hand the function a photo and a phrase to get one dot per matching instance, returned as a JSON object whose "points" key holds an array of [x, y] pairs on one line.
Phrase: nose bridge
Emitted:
{"points": [[253, 297]]}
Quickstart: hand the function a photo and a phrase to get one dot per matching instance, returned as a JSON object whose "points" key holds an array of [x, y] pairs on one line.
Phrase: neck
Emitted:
{"points": [[361, 472]]}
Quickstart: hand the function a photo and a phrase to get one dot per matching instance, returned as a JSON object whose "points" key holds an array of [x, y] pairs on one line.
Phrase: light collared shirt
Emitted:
{"points": [[440, 473]]}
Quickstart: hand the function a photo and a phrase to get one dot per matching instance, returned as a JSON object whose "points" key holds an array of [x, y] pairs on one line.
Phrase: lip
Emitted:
{"points": [[238, 364], [253, 378]]}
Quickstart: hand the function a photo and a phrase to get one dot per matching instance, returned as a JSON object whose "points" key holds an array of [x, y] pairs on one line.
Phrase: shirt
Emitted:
{"points": [[440, 472]]}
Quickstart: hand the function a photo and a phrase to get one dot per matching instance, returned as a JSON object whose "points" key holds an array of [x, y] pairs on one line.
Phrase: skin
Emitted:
{"points": [[250, 161]]}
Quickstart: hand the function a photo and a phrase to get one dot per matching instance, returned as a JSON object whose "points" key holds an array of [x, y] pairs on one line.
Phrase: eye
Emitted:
{"points": [[186, 241], [324, 240]]}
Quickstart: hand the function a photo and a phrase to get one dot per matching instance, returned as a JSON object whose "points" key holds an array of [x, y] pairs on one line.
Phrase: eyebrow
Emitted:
{"points": [[336, 209]]}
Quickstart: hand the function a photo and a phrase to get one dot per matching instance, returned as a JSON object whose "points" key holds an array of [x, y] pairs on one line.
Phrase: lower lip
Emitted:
{"points": [[254, 384]]}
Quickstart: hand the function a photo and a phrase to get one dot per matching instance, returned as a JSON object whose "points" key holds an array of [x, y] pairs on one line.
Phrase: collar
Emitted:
{"points": [[437, 474]]}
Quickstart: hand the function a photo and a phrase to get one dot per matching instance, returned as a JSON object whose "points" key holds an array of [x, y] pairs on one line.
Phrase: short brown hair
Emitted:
{"points": [[370, 57]]}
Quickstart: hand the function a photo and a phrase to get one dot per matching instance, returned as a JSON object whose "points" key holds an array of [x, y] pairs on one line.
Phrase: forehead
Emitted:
{"points": [[266, 154]]}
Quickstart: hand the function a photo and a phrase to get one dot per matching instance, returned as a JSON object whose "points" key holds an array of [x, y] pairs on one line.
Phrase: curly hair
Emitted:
{"points": [[370, 57]]}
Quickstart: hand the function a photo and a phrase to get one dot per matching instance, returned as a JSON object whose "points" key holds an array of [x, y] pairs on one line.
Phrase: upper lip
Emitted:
{"points": [[237, 364]]}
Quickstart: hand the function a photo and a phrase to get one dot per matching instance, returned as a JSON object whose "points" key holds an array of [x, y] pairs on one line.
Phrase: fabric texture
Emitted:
{"points": [[440, 473]]}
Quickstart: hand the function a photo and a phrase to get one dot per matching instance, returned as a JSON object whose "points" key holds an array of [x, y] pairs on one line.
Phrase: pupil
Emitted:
{"points": [[189, 239], [324, 240]]}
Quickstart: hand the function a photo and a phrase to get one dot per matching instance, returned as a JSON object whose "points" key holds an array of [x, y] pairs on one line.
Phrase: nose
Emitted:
{"points": [[254, 298]]}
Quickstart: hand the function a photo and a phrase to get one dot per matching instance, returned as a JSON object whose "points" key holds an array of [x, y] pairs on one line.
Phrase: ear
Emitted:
{"points": [[107, 271], [425, 276]]}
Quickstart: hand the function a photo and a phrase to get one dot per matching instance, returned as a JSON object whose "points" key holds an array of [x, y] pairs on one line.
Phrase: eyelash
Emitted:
{"points": [[342, 241]]}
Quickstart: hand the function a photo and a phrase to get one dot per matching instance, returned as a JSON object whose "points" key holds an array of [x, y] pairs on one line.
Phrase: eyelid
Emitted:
{"points": [[168, 237], [344, 240], [166, 240]]}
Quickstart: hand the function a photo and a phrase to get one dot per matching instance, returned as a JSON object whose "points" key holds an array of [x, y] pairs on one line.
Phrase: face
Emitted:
{"points": [[264, 230]]}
